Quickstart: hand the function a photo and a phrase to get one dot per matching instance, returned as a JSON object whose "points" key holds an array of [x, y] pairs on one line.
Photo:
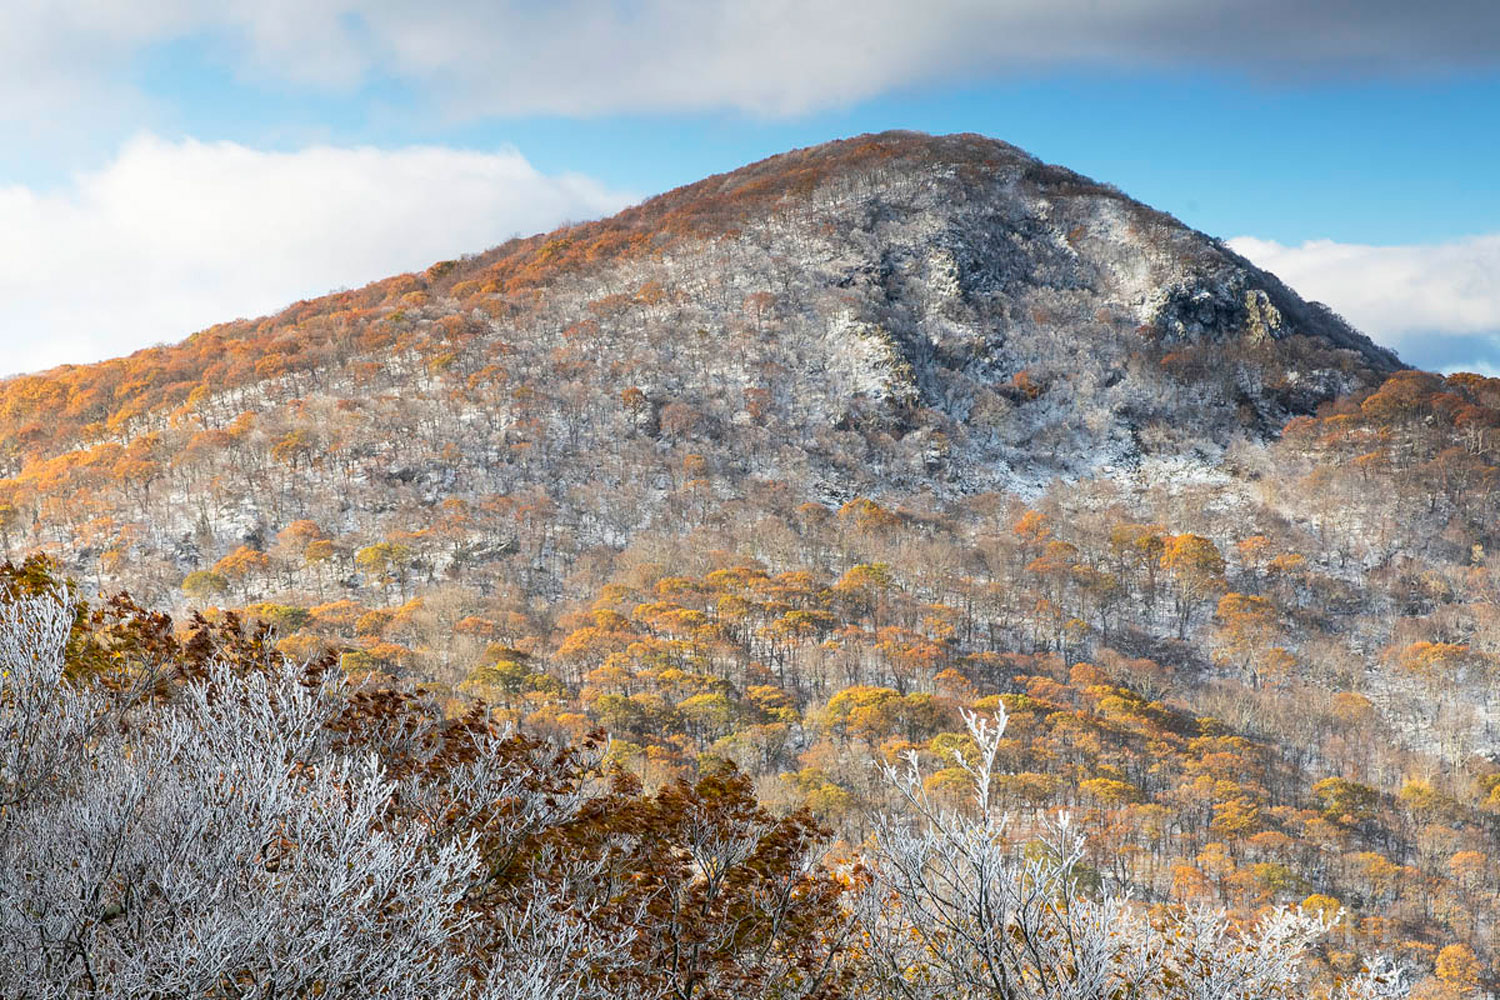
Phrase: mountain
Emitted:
{"points": [[794, 466], [889, 316]]}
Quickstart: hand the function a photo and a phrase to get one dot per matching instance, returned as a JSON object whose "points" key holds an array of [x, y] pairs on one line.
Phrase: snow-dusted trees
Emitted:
{"points": [[217, 843], [230, 824], [953, 908], [210, 820]]}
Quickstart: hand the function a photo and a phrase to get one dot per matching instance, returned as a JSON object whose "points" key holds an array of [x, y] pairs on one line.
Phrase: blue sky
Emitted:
{"points": [[1365, 160], [197, 163]]}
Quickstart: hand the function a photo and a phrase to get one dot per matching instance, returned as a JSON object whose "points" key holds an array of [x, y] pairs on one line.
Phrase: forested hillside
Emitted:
{"points": [[794, 469], [202, 817], [895, 317]]}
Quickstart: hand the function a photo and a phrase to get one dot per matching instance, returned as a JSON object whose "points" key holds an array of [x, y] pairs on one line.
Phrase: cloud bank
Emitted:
{"points": [[1437, 304], [771, 57], [171, 237]]}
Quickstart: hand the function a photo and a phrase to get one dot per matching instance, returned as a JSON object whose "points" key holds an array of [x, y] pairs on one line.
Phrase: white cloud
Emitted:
{"points": [[764, 56], [789, 56], [171, 237], [1437, 304]]}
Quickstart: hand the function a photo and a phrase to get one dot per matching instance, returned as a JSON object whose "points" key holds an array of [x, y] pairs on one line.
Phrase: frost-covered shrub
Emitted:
{"points": [[225, 842]]}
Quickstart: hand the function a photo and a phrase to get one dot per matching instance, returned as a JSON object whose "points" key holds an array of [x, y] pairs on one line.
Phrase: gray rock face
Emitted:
{"points": [[1038, 323]]}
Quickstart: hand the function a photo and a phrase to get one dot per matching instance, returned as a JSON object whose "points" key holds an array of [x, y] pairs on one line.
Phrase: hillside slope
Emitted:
{"points": [[891, 316]]}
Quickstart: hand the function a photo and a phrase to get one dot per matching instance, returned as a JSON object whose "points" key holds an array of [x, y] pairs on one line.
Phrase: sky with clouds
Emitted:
{"points": [[175, 163]]}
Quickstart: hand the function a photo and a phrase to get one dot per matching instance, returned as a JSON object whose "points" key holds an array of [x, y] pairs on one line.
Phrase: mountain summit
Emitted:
{"points": [[895, 315]]}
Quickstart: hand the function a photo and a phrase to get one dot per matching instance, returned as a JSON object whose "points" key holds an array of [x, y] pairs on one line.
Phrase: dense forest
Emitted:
{"points": [[203, 817], [701, 602]]}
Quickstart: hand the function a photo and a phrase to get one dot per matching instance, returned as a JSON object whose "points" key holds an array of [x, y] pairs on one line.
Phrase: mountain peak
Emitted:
{"points": [[893, 174]]}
